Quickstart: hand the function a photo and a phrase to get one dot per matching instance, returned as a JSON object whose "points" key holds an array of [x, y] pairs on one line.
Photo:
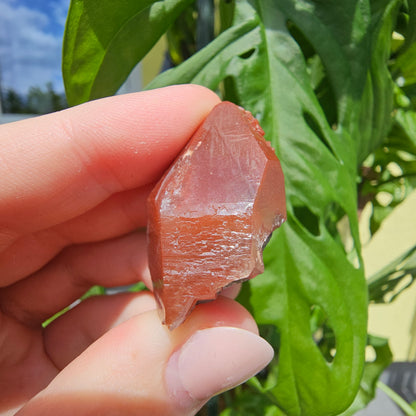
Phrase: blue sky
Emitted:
{"points": [[31, 34]]}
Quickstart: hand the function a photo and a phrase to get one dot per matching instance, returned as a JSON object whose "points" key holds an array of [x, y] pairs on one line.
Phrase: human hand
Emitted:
{"points": [[72, 200]]}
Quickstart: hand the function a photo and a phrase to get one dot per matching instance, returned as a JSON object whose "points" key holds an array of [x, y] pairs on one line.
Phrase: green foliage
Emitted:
{"points": [[372, 372], [103, 42], [389, 174], [390, 281], [337, 100]]}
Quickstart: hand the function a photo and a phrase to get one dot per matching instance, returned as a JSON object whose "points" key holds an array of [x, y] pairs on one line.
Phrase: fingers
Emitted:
{"points": [[140, 367], [25, 368], [116, 262], [61, 165], [118, 215]]}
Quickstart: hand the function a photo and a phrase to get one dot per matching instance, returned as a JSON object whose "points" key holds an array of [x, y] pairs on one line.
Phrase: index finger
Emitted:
{"points": [[56, 167]]}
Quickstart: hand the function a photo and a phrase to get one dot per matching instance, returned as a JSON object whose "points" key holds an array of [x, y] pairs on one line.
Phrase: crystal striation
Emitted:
{"points": [[212, 212]]}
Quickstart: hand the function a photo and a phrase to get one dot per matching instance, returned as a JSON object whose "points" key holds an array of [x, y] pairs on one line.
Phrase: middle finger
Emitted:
{"points": [[118, 215], [117, 262]]}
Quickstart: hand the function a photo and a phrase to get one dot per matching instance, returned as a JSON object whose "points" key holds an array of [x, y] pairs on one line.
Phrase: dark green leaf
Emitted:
{"points": [[377, 100], [410, 30], [405, 65], [181, 36]]}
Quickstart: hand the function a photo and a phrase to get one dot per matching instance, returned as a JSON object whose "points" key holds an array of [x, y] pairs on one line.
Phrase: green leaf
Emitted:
{"points": [[286, 294], [406, 121], [405, 65], [104, 40], [372, 372], [390, 173], [377, 100], [410, 29], [263, 62], [181, 36], [315, 74]]}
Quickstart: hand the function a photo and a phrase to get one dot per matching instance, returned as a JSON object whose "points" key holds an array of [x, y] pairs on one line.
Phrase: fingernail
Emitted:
{"points": [[214, 360]]}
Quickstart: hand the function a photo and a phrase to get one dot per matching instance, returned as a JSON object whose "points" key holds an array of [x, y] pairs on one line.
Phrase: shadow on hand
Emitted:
{"points": [[93, 403]]}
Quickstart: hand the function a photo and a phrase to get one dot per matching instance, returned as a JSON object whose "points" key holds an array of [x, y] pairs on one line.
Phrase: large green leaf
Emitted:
{"points": [[288, 62], [104, 40]]}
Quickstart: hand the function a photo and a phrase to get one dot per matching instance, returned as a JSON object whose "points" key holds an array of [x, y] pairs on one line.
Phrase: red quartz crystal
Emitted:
{"points": [[213, 211]]}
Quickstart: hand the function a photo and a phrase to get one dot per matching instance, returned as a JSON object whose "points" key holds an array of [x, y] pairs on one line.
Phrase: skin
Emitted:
{"points": [[72, 212]]}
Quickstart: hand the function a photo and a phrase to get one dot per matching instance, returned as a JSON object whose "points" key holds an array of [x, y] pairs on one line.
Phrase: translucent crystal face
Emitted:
{"points": [[212, 212]]}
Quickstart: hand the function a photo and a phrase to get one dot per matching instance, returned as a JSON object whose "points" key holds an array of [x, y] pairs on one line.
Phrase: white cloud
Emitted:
{"points": [[30, 54], [60, 10]]}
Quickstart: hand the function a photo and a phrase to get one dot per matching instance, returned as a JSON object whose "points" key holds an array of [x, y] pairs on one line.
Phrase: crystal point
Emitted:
{"points": [[212, 212]]}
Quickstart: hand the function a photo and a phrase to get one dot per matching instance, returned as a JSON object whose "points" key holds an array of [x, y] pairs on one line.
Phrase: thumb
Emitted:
{"points": [[211, 361], [140, 367]]}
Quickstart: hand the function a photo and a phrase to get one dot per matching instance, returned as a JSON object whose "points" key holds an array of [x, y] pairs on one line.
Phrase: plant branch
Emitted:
{"points": [[407, 409], [396, 178]]}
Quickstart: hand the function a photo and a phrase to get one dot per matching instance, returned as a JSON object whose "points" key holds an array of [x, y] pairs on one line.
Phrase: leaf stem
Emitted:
{"points": [[407, 409], [397, 178], [256, 385]]}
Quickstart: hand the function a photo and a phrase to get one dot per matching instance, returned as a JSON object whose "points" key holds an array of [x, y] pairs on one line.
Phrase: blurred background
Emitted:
{"points": [[31, 34]]}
